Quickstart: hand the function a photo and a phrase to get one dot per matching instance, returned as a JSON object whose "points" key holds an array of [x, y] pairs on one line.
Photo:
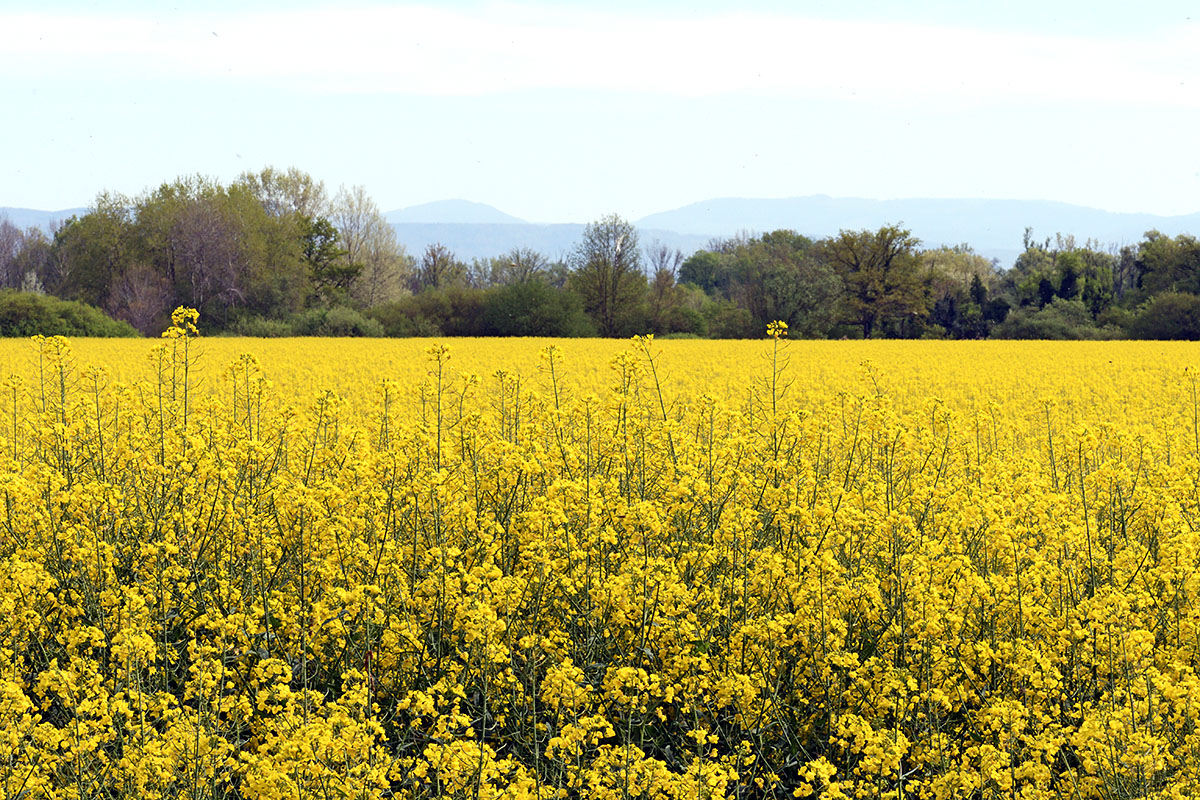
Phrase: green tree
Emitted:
{"points": [[331, 272], [531, 308], [1166, 264], [777, 276], [958, 282], [94, 249], [709, 270], [284, 193], [607, 274], [880, 274], [1169, 315]]}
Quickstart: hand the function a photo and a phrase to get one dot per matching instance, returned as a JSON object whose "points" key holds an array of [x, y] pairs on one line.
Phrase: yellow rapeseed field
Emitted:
{"points": [[552, 569]]}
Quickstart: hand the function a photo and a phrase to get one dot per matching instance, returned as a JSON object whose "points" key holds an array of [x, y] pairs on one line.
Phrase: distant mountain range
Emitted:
{"points": [[33, 218], [469, 241], [995, 228], [477, 230], [459, 212]]}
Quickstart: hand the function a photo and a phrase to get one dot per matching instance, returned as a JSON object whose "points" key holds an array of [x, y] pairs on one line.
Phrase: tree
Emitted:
{"points": [[531, 308], [708, 270], [663, 258], [879, 270], [1169, 315], [957, 280], [663, 298], [518, 265], [217, 248], [287, 192], [12, 242], [143, 298], [607, 273], [438, 269], [1169, 264], [36, 263], [369, 242], [94, 249], [211, 260], [777, 277], [331, 272]]}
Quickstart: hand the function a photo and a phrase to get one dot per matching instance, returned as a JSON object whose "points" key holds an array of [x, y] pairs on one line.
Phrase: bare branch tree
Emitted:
{"points": [[370, 242]]}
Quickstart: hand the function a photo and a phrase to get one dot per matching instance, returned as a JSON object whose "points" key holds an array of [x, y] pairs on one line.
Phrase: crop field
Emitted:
{"points": [[612, 569]]}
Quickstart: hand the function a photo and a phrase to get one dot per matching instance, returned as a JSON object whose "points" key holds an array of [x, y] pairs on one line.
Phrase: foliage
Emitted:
{"points": [[261, 328], [335, 321], [29, 314], [273, 245], [453, 311], [1060, 319], [1167, 264], [531, 308], [879, 270], [1170, 315], [607, 274]]}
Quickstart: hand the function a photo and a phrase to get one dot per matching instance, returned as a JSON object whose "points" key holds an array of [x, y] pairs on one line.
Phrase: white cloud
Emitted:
{"points": [[430, 51]]}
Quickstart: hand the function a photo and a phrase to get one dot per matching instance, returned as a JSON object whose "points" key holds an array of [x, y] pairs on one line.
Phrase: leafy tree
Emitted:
{"points": [[216, 248], [879, 270], [1169, 315], [957, 280], [724, 319], [1166, 264], [607, 274], [335, 321], [777, 276], [1060, 319], [531, 308], [330, 271], [709, 270], [94, 249], [286, 193]]}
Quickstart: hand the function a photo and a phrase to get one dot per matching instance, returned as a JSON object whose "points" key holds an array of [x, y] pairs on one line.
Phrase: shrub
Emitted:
{"points": [[29, 314], [336, 321], [1170, 315], [727, 321], [531, 308], [400, 321], [1059, 319], [454, 311], [261, 328]]}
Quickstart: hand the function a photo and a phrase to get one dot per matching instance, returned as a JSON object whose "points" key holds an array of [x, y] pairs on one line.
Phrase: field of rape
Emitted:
{"points": [[538, 569]]}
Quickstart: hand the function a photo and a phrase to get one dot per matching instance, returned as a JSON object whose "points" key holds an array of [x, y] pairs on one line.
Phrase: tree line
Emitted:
{"points": [[273, 253]]}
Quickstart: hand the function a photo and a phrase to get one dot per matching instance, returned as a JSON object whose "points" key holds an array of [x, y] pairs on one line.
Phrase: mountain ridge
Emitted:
{"points": [[37, 218], [456, 211], [995, 228], [984, 223]]}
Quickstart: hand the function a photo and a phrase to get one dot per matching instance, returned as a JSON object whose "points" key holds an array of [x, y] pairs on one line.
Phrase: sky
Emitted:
{"points": [[564, 112]]}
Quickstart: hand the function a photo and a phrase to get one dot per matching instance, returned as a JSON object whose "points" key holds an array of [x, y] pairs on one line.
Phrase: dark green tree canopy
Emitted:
{"points": [[880, 276], [607, 274]]}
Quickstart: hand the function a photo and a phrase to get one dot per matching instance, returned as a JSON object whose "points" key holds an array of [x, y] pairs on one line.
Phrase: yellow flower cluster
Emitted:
{"points": [[523, 569]]}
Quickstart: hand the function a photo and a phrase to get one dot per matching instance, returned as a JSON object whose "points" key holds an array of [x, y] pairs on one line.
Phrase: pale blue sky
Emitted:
{"points": [[563, 112]]}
